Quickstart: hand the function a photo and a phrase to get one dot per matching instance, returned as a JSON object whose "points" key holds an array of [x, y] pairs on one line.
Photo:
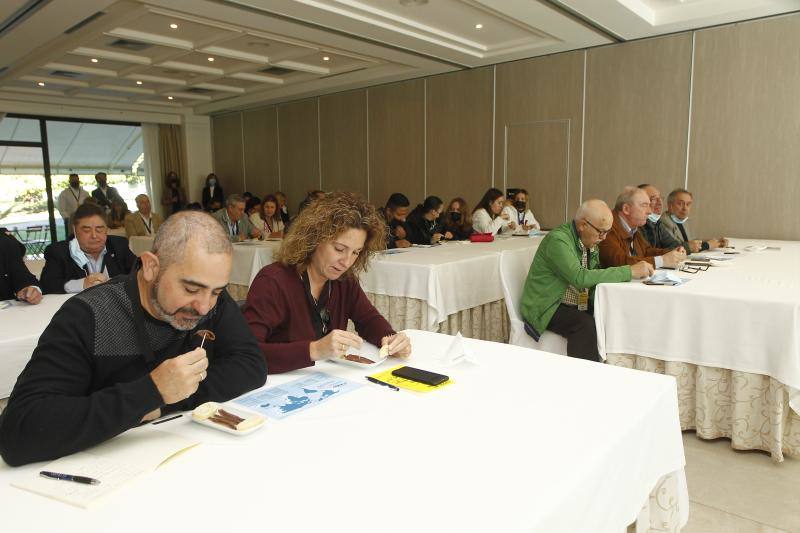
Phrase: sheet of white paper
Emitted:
{"points": [[113, 463]]}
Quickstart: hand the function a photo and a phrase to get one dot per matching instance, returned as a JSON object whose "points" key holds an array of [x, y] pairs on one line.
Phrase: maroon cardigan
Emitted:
{"points": [[278, 314]]}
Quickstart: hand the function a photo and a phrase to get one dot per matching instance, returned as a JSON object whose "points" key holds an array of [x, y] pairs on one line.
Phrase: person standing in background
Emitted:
{"points": [[105, 195], [213, 195], [174, 198], [69, 199]]}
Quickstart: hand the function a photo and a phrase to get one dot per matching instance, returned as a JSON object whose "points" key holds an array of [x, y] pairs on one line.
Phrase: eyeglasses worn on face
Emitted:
{"points": [[600, 233]]}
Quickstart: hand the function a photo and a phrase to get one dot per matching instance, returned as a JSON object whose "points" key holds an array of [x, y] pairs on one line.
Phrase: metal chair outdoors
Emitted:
{"points": [[35, 239]]}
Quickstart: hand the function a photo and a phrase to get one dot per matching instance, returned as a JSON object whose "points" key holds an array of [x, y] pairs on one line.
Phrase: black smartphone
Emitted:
{"points": [[420, 376]]}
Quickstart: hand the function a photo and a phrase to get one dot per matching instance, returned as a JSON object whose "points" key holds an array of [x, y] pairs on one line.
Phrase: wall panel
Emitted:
{"points": [[396, 140], [744, 162], [343, 134], [459, 134], [260, 133], [637, 108], [538, 132], [227, 134], [299, 150]]}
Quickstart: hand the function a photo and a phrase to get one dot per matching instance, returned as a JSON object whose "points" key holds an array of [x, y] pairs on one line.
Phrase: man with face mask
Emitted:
{"points": [[679, 205], [655, 232], [128, 350], [395, 213], [69, 200], [105, 195], [559, 290]]}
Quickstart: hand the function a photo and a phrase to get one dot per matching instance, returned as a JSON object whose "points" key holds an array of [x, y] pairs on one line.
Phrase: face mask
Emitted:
{"points": [[455, 216], [78, 255], [520, 205], [678, 220], [653, 217], [212, 183]]}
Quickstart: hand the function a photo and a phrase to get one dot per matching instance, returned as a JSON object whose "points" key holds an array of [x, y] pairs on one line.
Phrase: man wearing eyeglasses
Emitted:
{"points": [[88, 259], [559, 290], [626, 244]]}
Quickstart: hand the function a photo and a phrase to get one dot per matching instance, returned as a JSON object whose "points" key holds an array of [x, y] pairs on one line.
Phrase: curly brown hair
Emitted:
{"points": [[326, 218]]}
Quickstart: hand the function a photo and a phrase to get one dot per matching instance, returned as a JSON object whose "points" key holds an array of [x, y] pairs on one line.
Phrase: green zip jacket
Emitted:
{"points": [[556, 266]]}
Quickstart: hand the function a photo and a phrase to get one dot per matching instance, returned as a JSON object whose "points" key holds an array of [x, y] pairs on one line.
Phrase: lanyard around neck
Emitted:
{"points": [[320, 316]]}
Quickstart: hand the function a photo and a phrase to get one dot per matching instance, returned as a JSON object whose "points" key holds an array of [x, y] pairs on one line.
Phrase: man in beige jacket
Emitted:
{"points": [[143, 222]]}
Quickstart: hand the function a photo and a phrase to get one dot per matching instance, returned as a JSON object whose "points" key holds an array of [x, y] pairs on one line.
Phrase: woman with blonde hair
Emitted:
{"points": [[267, 218], [298, 307]]}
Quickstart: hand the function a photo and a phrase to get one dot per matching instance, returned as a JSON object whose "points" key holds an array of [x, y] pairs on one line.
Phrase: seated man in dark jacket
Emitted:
{"points": [[16, 281], [91, 257], [128, 350], [423, 223]]}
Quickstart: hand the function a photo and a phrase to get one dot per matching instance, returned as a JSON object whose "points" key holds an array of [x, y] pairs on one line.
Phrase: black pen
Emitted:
{"points": [[166, 419], [379, 382], [69, 477]]}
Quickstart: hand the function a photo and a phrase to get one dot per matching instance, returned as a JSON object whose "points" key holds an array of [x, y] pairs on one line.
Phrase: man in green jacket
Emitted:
{"points": [[559, 290]]}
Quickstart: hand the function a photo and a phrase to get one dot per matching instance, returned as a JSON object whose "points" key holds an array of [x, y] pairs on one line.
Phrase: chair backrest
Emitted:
{"points": [[514, 266]]}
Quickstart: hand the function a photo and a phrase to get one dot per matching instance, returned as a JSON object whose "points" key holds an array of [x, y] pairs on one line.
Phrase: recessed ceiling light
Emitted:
{"points": [[138, 82], [326, 58], [478, 26], [173, 26], [211, 59], [169, 98], [94, 60], [40, 84]]}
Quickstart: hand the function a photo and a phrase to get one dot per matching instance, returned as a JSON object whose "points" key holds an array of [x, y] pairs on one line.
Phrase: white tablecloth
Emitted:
{"points": [[248, 257], [20, 328], [743, 315], [451, 277], [526, 441]]}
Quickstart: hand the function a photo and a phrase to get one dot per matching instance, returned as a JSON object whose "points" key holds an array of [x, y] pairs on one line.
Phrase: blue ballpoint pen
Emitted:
{"points": [[69, 477]]}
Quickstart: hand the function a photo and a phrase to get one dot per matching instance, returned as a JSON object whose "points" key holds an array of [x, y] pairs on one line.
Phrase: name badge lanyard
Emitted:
{"points": [[320, 317], [148, 226]]}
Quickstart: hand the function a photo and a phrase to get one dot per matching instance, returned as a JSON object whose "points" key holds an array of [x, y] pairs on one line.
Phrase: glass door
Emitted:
{"points": [[24, 197]]}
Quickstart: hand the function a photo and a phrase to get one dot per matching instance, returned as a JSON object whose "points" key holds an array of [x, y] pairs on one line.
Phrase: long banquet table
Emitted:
{"points": [[21, 325], [521, 441], [731, 338], [448, 288]]}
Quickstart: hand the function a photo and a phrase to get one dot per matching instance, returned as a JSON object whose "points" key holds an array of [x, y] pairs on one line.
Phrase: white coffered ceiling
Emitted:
{"points": [[215, 55]]}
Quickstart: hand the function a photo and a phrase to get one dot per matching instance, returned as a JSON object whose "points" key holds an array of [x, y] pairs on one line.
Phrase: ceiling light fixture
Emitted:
{"points": [[94, 60], [169, 98], [138, 82], [326, 58], [478, 26], [173, 26], [211, 59], [40, 84]]}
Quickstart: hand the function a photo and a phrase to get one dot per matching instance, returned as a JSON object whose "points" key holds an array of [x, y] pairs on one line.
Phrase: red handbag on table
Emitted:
{"points": [[481, 237]]}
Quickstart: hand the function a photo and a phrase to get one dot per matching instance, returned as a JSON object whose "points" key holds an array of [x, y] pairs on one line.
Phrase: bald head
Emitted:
{"points": [[593, 220], [189, 229]]}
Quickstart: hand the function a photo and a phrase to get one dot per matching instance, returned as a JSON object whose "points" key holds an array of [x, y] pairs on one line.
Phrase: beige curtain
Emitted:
{"points": [[172, 153]]}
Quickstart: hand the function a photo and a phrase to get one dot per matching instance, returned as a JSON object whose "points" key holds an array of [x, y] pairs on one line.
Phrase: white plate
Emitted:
{"points": [[234, 411]]}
